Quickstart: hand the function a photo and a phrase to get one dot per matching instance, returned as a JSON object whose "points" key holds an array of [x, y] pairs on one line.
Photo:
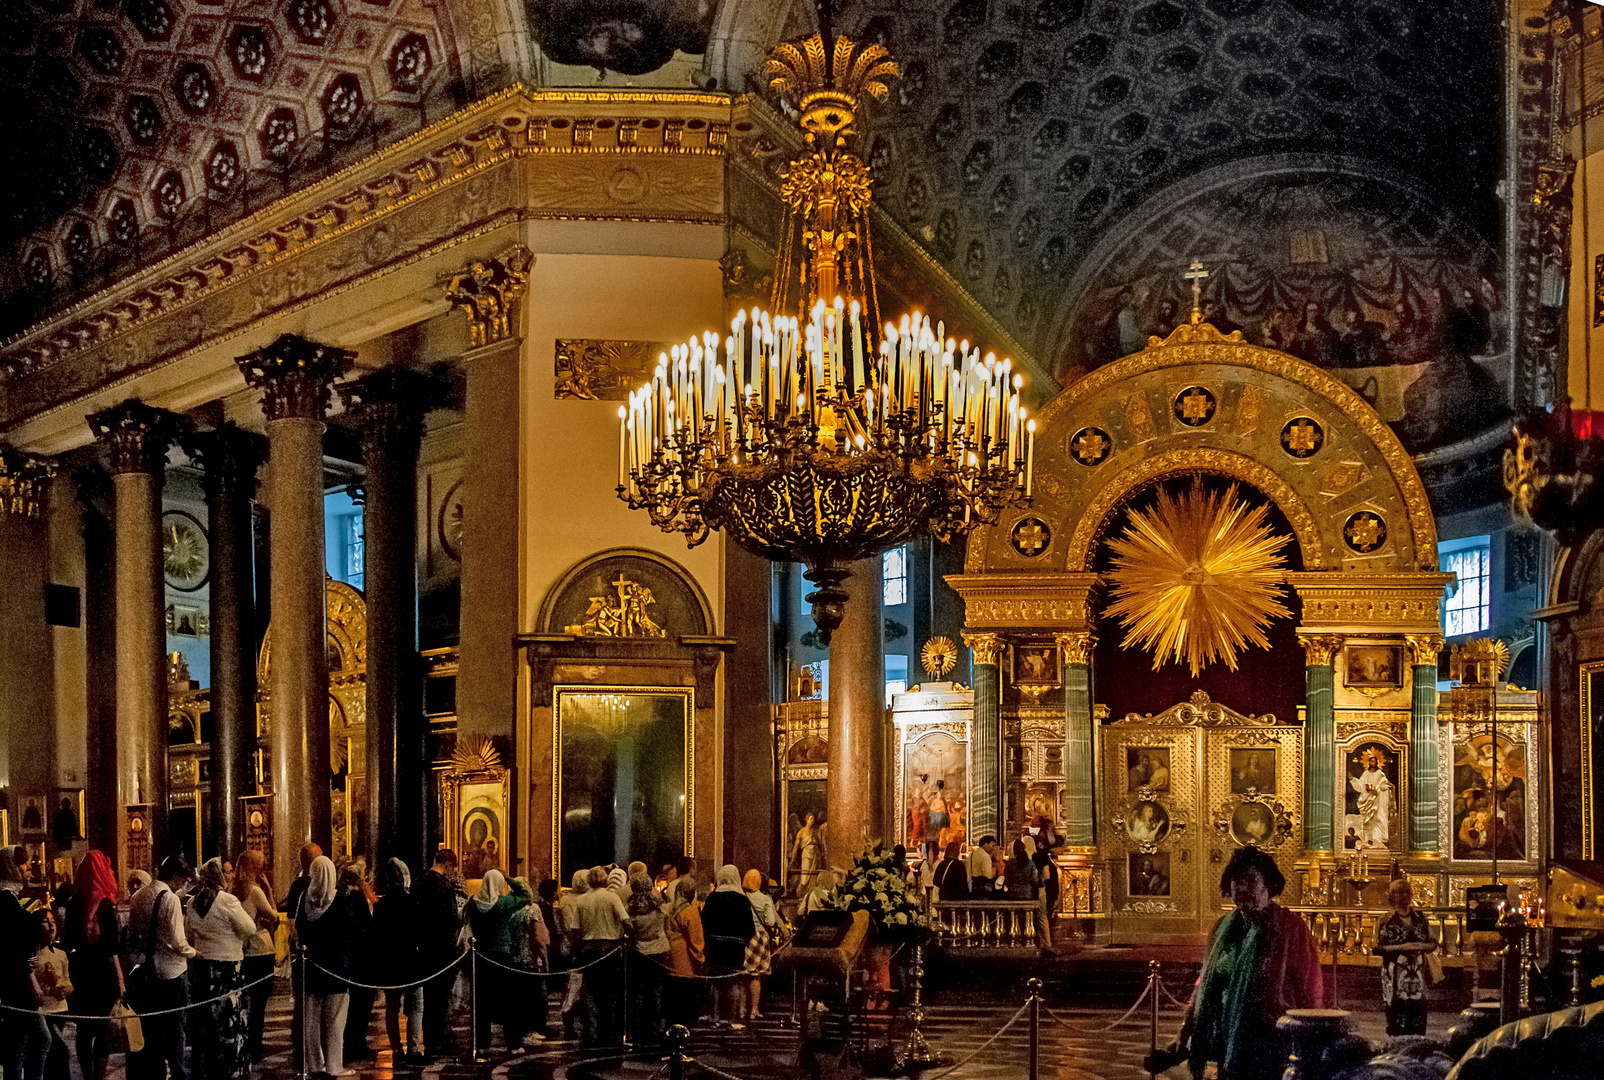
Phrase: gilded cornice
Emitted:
{"points": [[1038, 601], [362, 218], [988, 648], [1392, 603]]}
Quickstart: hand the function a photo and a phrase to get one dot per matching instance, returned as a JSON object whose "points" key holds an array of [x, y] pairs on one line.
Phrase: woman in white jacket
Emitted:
{"points": [[219, 930]]}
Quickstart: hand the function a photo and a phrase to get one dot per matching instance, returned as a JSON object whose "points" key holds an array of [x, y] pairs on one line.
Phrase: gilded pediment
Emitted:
{"points": [[1198, 711]]}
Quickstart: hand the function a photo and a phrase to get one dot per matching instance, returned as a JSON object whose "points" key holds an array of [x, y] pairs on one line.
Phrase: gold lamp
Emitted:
{"points": [[814, 433]]}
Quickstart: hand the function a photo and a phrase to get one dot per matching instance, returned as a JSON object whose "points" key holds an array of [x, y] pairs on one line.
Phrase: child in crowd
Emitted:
{"points": [[53, 987]]}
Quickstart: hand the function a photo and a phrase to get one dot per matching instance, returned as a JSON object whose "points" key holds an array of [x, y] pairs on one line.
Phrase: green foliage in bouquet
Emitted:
{"points": [[877, 883]]}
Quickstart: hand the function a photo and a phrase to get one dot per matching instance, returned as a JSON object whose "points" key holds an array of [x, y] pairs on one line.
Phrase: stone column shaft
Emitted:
{"points": [[137, 437], [230, 458], [1424, 777], [389, 406], [1080, 792], [294, 376], [27, 698], [1319, 744], [986, 747], [855, 798]]}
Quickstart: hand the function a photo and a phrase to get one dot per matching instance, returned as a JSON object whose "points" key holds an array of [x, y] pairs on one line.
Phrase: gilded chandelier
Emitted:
{"points": [[815, 434]]}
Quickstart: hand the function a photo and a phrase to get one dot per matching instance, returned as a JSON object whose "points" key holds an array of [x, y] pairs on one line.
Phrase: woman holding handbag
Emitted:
{"points": [[90, 935], [255, 895], [219, 930]]}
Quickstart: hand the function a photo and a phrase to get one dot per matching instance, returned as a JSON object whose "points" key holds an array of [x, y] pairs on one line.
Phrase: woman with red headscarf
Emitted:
{"points": [[97, 974]]}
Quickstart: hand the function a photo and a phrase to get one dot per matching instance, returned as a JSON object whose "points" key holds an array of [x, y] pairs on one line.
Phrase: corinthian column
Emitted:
{"points": [[136, 438], [294, 376], [230, 458], [1080, 802], [27, 698], [1424, 649], [487, 673], [390, 405], [1319, 742], [985, 809]]}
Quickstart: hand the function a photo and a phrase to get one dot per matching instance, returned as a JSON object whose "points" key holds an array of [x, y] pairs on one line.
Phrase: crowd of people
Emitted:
{"points": [[193, 956]]}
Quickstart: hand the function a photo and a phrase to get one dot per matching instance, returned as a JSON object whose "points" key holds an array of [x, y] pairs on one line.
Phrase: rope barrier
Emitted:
{"points": [[277, 974], [1107, 1027], [720, 1073], [398, 986], [486, 958], [987, 1044], [1173, 999]]}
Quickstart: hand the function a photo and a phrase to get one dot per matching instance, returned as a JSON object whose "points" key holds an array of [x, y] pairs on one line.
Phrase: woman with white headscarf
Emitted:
{"points": [[728, 924], [490, 914], [329, 922]]}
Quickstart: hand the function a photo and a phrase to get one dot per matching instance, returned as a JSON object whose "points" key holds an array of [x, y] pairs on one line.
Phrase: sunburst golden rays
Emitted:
{"points": [[1197, 577]]}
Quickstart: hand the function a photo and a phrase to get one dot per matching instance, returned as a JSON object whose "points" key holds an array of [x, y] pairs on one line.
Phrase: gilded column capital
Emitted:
{"points": [[389, 406], [23, 479], [137, 437], [1320, 648], [1075, 646], [229, 457], [487, 289], [1424, 648], [986, 647], [294, 375]]}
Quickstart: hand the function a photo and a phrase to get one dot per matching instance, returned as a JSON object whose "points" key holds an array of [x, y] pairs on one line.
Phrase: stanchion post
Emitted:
{"points": [[300, 1010], [679, 1038], [476, 1052], [623, 962], [1152, 993], [1034, 986]]}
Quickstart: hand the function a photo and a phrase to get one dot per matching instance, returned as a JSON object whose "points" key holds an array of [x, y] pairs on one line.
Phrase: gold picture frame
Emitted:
{"points": [[5, 828], [563, 694], [1034, 664], [475, 808], [1372, 666], [74, 798], [1591, 680]]}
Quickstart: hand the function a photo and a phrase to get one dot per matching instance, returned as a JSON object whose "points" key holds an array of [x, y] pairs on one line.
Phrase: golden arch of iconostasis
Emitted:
{"points": [[1366, 601], [346, 614]]}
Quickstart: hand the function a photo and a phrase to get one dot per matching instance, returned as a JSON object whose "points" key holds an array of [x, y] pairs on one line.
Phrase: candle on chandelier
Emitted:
{"points": [[623, 426], [1030, 457]]}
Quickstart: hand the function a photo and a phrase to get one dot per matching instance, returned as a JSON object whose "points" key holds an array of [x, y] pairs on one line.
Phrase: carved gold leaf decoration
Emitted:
{"points": [[475, 755], [1198, 577], [939, 656]]}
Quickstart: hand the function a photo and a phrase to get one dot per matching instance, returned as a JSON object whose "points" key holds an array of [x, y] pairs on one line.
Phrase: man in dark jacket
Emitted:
{"points": [[18, 1031], [439, 902]]}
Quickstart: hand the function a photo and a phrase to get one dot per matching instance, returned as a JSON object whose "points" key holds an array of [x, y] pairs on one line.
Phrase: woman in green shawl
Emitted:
{"points": [[1262, 961]]}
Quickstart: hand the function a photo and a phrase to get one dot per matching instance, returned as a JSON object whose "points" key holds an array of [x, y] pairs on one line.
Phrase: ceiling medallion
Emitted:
{"points": [[816, 434], [186, 557], [1030, 537], [1195, 406], [1302, 437], [1365, 532], [1090, 446], [1198, 578]]}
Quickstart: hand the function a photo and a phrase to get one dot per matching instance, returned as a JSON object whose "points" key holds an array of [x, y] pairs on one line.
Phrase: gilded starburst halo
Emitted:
{"points": [[1198, 577], [939, 656]]}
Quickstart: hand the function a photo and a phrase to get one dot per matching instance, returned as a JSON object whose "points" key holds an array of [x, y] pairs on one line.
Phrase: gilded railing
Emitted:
{"points": [[1352, 933], [985, 924]]}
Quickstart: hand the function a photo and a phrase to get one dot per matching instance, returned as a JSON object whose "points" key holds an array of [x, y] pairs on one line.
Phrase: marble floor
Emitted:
{"points": [[983, 1034]]}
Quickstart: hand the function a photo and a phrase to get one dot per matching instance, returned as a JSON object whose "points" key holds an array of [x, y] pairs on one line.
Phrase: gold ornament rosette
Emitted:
{"points": [[1198, 577]]}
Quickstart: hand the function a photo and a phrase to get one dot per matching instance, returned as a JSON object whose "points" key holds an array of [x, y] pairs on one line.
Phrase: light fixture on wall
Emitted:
{"points": [[815, 434]]}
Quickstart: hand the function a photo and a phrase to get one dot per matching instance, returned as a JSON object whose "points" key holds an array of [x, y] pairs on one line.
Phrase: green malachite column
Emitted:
{"points": [[1423, 766], [1080, 801], [1319, 743], [985, 797]]}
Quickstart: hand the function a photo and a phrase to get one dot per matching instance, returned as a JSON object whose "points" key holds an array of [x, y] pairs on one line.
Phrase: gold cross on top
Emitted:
{"points": [[1196, 275], [1300, 436], [1196, 406], [1030, 539]]}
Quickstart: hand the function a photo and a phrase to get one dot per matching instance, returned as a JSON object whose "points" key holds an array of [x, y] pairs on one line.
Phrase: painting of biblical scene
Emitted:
{"points": [[32, 817], [1377, 667], [806, 853], [483, 834], [1149, 874], [1252, 771], [808, 750], [622, 765], [1252, 824], [1035, 665], [1490, 798], [934, 794], [1147, 767], [1332, 270], [1370, 816], [1149, 823]]}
